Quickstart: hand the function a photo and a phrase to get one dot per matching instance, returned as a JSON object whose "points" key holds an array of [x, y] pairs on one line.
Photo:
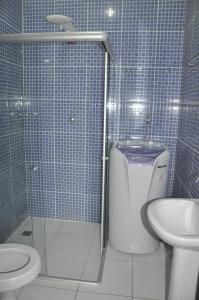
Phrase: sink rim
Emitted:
{"points": [[174, 239]]}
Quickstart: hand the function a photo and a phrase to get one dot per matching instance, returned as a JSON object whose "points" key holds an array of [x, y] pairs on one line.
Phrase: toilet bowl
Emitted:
{"points": [[19, 265]]}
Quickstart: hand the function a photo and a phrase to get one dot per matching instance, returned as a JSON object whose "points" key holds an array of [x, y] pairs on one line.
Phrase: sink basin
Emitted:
{"points": [[176, 222]]}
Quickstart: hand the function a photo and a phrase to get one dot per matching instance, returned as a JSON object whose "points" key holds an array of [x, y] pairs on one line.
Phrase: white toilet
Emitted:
{"points": [[19, 265]]}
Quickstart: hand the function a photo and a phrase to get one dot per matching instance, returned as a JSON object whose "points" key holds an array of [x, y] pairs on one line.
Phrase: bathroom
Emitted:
{"points": [[78, 78]]}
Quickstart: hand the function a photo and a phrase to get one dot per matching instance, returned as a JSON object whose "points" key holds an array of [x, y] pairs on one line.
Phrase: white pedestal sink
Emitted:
{"points": [[176, 221]]}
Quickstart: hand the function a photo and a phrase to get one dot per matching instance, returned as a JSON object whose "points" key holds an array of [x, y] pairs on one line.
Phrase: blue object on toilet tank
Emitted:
{"points": [[140, 152]]}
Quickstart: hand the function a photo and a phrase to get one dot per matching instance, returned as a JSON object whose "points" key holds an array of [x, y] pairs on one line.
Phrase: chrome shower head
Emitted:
{"points": [[64, 22]]}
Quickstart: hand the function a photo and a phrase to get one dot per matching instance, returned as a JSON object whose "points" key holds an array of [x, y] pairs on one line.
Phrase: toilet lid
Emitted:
{"points": [[11, 260]]}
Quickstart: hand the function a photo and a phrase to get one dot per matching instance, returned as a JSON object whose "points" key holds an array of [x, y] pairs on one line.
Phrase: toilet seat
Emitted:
{"points": [[19, 265]]}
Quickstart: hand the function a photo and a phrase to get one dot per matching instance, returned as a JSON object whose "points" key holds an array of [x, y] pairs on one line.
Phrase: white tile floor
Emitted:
{"points": [[125, 277], [72, 248]]}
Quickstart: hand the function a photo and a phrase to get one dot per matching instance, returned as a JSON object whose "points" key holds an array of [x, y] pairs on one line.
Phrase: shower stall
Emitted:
{"points": [[63, 111]]}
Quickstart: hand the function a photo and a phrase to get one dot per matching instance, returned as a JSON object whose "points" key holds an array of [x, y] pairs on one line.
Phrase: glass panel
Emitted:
{"points": [[64, 133], [40, 241], [15, 223], [58, 107], [23, 234], [35, 169]]}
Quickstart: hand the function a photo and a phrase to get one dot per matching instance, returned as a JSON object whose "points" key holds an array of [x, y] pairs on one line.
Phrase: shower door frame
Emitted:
{"points": [[60, 281], [52, 280], [75, 37], [105, 158]]}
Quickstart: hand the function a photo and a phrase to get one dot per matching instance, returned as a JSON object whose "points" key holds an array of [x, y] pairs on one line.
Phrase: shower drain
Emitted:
{"points": [[27, 233]]}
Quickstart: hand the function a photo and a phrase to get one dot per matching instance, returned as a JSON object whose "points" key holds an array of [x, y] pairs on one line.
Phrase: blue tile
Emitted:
{"points": [[93, 208], [133, 119], [18, 179], [94, 117], [138, 48], [39, 82], [169, 49], [165, 120], [7, 7], [70, 206], [140, 15], [7, 222], [70, 116], [17, 149], [4, 153], [20, 208], [65, 83], [6, 189], [70, 148], [93, 181], [171, 15], [105, 15], [70, 83], [12, 168], [35, 13], [70, 178], [94, 144], [188, 143], [76, 9]]}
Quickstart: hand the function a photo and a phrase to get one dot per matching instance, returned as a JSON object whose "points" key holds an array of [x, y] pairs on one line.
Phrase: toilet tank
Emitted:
{"points": [[138, 174]]}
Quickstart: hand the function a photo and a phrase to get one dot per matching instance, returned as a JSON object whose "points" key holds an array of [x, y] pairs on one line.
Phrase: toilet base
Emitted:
{"points": [[10, 295]]}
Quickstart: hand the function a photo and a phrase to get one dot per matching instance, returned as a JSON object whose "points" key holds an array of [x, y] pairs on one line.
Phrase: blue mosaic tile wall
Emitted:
{"points": [[13, 197], [65, 81], [187, 175]]}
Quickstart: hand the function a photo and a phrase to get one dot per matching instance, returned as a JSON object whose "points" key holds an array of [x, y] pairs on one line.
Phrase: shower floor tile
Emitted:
{"points": [[117, 279], [33, 292], [70, 245], [79, 228], [73, 252], [92, 296], [123, 279], [91, 270], [68, 249], [149, 280], [116, 255], [65, 267]]}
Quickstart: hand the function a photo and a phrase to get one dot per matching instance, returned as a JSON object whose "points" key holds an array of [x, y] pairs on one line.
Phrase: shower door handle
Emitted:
{"points": [[106, 158]]}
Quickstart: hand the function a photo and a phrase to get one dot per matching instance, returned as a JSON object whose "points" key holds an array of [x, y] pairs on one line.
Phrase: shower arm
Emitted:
{"points": [[96, 36]]}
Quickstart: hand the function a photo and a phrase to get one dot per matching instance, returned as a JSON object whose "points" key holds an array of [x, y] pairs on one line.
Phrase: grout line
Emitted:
{"points": [[152, 111], [193, 149], [77, 290], [85, 147], [192, 21], [186, 188], [24, 124], [11, 182], [22, 15], [135, 68], [11, 63], [54, 135], [89, 250], [8, 24], [111, 294]]}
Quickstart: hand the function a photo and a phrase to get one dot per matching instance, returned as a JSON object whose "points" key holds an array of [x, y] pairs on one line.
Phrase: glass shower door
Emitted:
{"points": [[64, 89]]}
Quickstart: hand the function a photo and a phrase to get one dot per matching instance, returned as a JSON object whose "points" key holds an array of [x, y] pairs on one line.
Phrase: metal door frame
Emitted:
{"points": [[105, 154]]}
